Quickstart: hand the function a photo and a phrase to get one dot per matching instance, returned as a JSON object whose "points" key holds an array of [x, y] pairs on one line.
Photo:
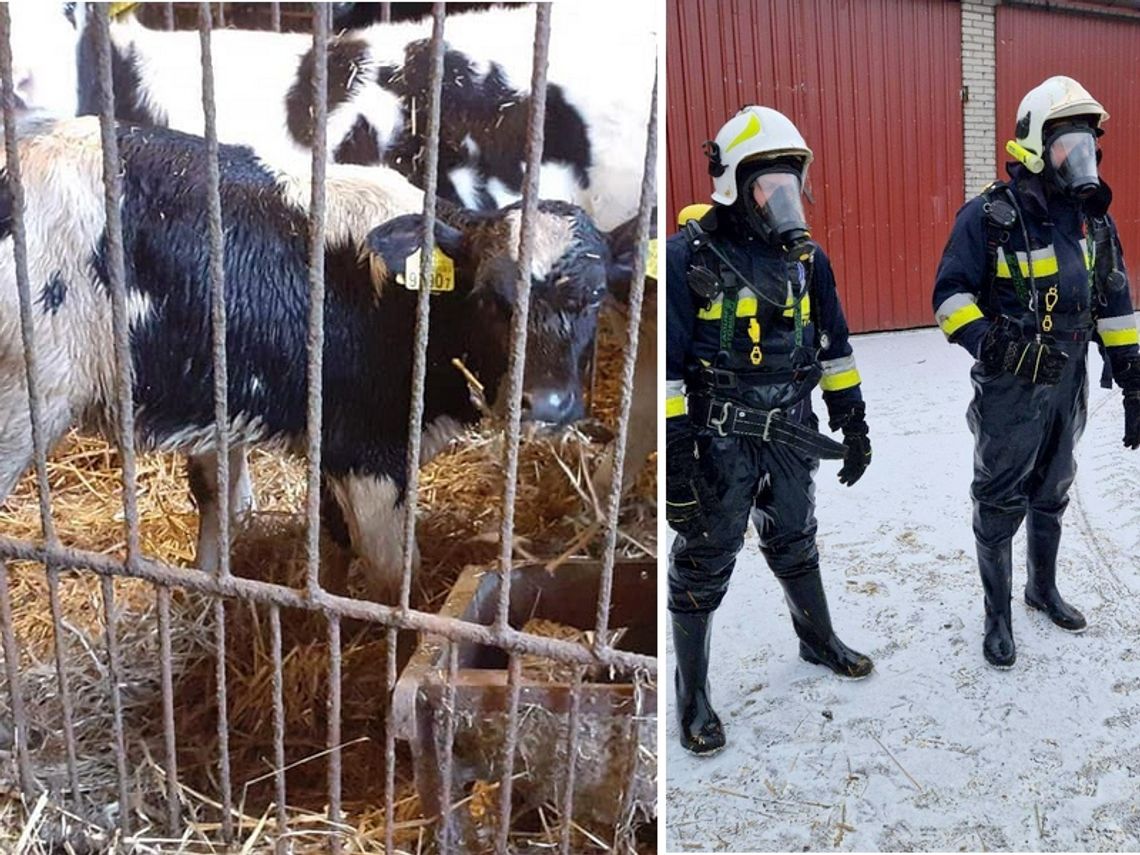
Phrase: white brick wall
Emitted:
{"points": [[979, 77]]}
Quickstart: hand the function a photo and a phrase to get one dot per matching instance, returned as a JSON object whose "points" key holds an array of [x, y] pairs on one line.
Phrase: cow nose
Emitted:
{"points": [[555, 406]]}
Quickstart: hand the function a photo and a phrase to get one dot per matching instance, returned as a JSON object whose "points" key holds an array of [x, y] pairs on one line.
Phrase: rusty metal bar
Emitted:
{"points": [[390, 746], [16, 695], [316, 339], [573, 738], [222, 15], [419, 358], [334, 740], [445, 771], [535, 130], [636, 297], [267, 592], [113, 192], [166, 655], [275, 17], [168, 15], [385, 12], [510, 744], [217, 291], [223, 721], [64, 687], [113, 671], [278, 728], [20, 254], [221, 398]]}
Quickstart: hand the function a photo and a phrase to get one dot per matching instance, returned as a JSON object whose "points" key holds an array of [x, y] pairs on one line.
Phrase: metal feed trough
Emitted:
{"points": [[578, 713], [588, 733]]}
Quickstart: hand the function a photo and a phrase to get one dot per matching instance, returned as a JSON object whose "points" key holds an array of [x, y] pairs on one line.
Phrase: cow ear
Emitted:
{"points": [[619, 269], [390, 245]]}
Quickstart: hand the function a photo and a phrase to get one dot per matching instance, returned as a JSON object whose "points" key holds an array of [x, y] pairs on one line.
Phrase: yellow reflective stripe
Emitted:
{"points": [[675, 406], [745, 308], [1041, 266], [751, 129], [805, 308], [842, 380], [959, 318], [1118, 338]]}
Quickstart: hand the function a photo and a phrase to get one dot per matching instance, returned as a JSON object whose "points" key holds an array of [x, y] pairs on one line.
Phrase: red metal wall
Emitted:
{"points": [[874, 86], [1104, 55]]}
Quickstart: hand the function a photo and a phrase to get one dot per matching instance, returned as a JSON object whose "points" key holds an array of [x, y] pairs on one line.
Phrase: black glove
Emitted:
{"points": [[858, 455], [1129, 380], [1005, 349], [683, 509]]}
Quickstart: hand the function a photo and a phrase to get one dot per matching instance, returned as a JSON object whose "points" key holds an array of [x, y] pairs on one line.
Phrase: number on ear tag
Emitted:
{"points": [[651, 260], [442, 276]]}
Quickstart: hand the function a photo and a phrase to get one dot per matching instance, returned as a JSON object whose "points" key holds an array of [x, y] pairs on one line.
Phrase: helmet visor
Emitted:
{"points": [[1072, 155], [778, 201]]}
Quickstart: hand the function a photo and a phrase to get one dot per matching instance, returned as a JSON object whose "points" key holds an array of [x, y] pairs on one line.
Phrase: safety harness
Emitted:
{"points": [[1001, 213], [726, 417]]}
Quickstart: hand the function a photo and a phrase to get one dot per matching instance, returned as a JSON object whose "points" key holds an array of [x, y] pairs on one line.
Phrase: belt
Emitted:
{"points": [[712, 378], [727, 418]]}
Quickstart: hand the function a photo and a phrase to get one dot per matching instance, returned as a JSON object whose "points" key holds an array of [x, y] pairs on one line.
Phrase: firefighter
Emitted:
{"points": [[1033, 270], [753, 325]]}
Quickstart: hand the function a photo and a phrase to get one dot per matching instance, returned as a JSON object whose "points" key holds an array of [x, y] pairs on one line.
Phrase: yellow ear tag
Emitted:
{"points": [[118, 10], [651, 260], [442, 276]]}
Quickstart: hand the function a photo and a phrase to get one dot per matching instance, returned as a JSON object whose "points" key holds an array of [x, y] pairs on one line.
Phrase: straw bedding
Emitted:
{"points": [[556, 516]]}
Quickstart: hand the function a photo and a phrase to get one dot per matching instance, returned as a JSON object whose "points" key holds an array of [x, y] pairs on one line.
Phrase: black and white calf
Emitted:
{"points": [[369, 316], [600, 78]]}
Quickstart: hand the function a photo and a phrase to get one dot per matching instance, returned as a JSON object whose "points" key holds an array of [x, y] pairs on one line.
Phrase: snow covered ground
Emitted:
{"points": [[936, 750]]}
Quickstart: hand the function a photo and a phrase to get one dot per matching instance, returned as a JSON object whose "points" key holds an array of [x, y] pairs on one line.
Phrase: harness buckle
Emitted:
{"points": [[725, 412], [768, 423]]}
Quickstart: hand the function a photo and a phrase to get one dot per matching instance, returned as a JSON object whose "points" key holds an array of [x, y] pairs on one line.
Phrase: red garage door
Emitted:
{"points": [[874, 86], [1102, 53]]}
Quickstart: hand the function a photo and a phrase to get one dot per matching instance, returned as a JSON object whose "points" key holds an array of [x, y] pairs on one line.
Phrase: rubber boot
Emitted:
{"points": [[818, 642], [701, 730], [995, 564], [1044, 538]]}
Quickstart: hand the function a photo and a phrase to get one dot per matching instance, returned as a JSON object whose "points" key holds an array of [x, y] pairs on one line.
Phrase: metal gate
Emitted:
{"points": [[1033, 44], [224, 587], [873, 86]]}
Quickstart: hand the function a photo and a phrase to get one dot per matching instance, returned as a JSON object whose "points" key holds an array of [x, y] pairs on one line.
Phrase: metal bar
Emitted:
{"points": [[221, 395], [20, 253], [419, 359], [113, 192], [222, 15], [510, 743], [223, 721], [278, 729], [64, 687], [113, 672], [573, 738], [448, 747], [173, 811], [217, 290], [316, 340], [334, 739], [275, 16], [267, 592], [535, 128], [390, 747], [385, 12], [16, 695], [168, 15], [636, 297]]}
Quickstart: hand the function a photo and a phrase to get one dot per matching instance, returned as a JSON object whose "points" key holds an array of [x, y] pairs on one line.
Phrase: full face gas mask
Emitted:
{"points": [[1071, 159], [773, 207]]}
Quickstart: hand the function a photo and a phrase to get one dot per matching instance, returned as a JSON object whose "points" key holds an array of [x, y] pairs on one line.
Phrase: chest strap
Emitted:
{"points": [[729, 419]]}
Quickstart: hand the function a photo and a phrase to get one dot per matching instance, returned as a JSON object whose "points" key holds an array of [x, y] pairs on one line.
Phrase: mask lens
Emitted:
{"points": [[778, 204], [1072, 154]]}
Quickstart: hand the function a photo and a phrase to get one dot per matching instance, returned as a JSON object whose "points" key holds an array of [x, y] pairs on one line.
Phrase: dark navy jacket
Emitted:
{"points": [[693, 327], [965, 305]]}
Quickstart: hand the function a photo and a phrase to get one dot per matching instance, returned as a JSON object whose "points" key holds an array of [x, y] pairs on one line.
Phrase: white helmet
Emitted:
{"points": [[1056, 98], [752, 133]]}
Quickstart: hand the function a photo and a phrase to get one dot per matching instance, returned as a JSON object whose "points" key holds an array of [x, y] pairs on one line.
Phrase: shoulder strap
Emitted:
{"points": [[1000, 213]]}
